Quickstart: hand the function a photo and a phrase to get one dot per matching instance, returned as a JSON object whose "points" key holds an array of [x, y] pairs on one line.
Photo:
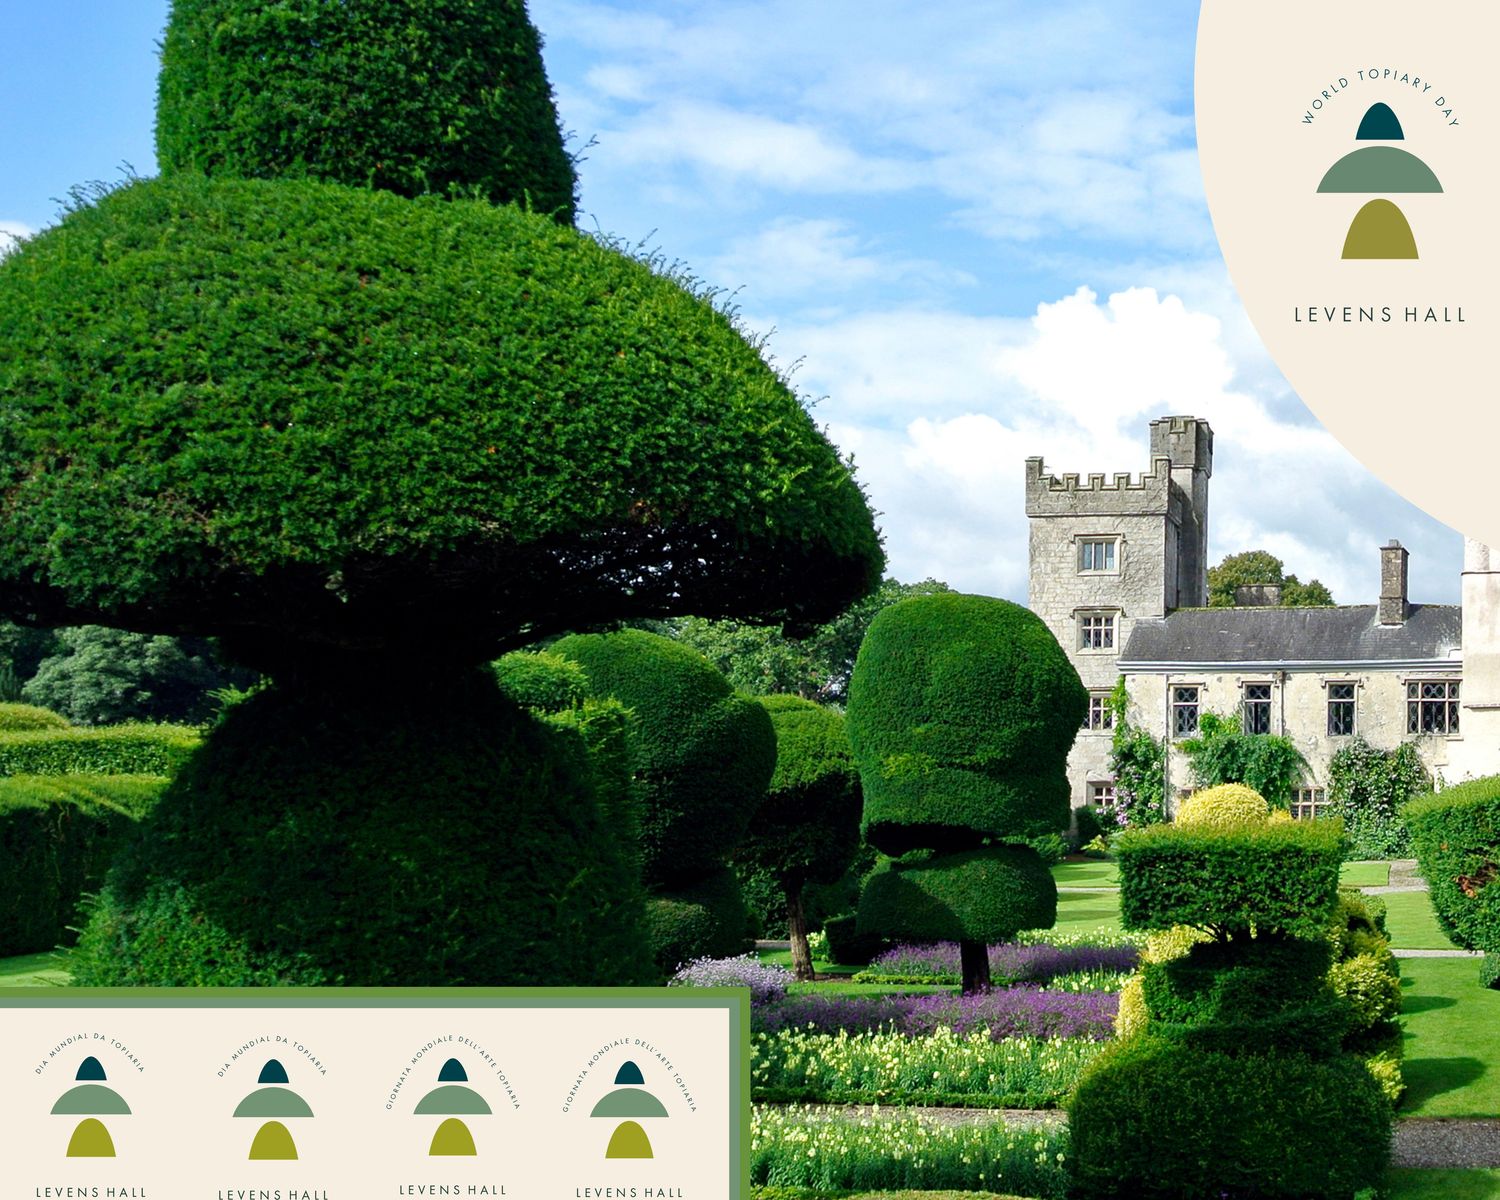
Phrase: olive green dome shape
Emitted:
{"points": [[807, 826], [961, 713], [984, 895], [390, 832], [303, 416], [409, 95], [701, 754]]}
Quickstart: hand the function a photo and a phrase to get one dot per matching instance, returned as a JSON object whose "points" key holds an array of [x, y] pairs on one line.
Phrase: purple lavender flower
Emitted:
{"points": [[1009, 962], [767, 983], [1006, 1012]]}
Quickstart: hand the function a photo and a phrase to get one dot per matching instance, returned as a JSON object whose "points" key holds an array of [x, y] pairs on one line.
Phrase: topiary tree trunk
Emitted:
{"points": [[974, 962]]}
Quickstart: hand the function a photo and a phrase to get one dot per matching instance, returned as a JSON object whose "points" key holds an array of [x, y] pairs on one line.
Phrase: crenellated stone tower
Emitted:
{"points": [[1110, 551]]}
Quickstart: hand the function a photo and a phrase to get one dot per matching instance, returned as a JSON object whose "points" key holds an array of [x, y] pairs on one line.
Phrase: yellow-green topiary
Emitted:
{"points": [[1133, 1015], [1227, 806], [1367, 985], [1163, 945]]}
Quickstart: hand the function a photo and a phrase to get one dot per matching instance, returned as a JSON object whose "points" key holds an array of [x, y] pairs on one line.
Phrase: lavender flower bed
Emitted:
{"points": [[1010, 962], [767, 983], [1005, 1012]]}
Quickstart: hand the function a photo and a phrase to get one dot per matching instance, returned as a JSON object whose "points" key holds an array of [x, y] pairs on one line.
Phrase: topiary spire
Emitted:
{"points": [[412, 96]]}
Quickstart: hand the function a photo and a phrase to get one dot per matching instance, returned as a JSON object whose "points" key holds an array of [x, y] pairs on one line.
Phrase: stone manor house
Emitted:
{"points": [[1119, 571]]}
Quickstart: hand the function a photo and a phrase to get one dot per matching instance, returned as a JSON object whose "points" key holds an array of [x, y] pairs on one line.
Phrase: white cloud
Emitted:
{"points": [[12, 233], [942, 415]]}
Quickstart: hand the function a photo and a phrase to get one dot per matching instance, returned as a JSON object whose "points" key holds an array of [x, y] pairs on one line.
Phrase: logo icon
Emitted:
{"points": [[1380, 229], [91, 1100], [273, 1140], [452, 1099], [629, 1099]]}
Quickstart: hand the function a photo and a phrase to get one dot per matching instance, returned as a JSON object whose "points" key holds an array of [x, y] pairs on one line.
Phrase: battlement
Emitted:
{"points": [[1187, 441], [1120, 494]]}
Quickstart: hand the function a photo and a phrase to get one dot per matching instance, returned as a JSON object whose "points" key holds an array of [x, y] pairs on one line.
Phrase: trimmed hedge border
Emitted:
{"points": [[113, 750], [1456, 833]]}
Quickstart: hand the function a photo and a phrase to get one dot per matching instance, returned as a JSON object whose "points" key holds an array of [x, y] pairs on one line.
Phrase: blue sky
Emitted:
{"points": [[978, 229]]}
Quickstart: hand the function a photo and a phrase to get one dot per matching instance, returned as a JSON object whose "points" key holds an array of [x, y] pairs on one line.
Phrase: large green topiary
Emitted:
{"points": [[369, 438], [806, 829], [962, 710], [409, 95], [338, 419], [352, 882]]}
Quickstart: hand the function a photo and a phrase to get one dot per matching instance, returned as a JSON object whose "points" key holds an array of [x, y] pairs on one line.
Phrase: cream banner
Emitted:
{"points": [[1348, 152]]}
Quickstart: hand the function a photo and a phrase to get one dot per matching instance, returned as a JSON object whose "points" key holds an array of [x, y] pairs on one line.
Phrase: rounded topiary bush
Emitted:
{"points": [[22, 718], [1158, 1119], [961, 713], [410, 95], [541, 681], [1225, 806], [984, 895], [701, 754], [406, 832], [703, 919], [312, 419]]}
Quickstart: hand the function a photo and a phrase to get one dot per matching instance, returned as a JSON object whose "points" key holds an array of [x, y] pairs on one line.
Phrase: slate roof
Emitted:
{"points": [[1349, 634]]}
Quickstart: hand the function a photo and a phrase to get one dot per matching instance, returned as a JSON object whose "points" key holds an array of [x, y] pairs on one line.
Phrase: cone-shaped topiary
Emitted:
{"points": [[353, 883], [412, 96], [806, 830], [962, 710]]}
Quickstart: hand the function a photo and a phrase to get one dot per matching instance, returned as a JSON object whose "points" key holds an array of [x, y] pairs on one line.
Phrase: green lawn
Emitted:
{"points": [[1410, 924], [1412, 1183], [1365, 874], [1094, 873], [32, 970], [1080, 911], [783, 958], [1452, 1039]]}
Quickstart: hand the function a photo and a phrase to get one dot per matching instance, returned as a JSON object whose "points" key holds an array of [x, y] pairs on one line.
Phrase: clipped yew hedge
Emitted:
{"points": [[109, 750], [1456, 833], [1278, 877], [58, 834], [985, 895], [18, 718]]}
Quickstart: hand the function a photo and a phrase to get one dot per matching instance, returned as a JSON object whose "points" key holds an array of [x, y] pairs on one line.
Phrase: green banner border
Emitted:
{"points": [[735, 1001]]}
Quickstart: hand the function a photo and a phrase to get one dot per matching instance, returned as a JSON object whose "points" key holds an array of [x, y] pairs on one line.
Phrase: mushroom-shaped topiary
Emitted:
{"points": [[961, 713], [369, 437], [702, 756], [806, 830], [1225, 806]]}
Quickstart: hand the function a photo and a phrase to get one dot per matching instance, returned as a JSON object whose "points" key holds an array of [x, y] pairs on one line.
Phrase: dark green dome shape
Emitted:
{"points": [[453, 1072], [1379, 169], [91, 1099], [628, 1074], [985, 895], [412, 96], [258, 420], [1380, 124], [1380, 231], [273, 1102], [273, 1072], [629, 1102], [90, 1069], [452, 1100]]}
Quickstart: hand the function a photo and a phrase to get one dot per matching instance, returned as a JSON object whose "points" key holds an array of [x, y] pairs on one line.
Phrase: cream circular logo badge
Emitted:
{"points": [[1348, 161]]}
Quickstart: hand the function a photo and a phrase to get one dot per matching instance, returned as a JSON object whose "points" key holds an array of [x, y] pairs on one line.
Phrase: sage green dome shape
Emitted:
{"points": [[1378, 169], [273, 1102], [629, 1102], [92, 1099], [312, 418], [452, 1099]]}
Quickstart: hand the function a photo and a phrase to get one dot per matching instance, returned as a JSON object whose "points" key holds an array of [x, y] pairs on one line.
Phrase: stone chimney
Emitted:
{"points": [[1393, 606], [1257, 595]]}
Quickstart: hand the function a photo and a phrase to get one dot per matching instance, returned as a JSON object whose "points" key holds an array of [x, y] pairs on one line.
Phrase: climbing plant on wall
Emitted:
{"points": [[1139, 764], [1367, 787], [1224, 753]]}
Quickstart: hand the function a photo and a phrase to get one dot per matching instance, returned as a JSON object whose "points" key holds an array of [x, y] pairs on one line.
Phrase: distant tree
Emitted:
{"points": [[1262, 567], [99, 676], [763, 661], [806, 830]]}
